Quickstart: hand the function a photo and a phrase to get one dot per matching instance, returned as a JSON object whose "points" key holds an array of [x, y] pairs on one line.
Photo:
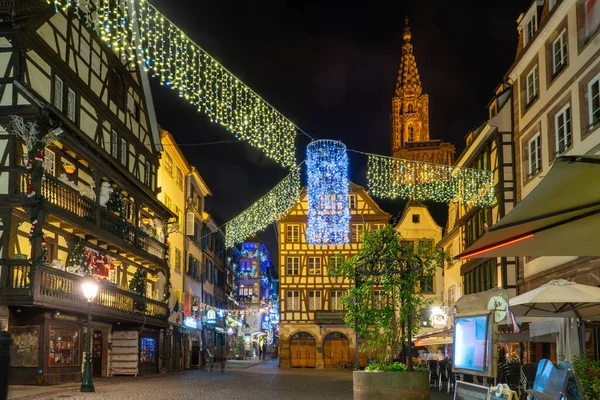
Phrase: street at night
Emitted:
{"points": [[242, 380]]}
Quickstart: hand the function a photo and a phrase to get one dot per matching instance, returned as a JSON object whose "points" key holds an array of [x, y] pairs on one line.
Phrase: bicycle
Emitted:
{"points": [[345, 364]]}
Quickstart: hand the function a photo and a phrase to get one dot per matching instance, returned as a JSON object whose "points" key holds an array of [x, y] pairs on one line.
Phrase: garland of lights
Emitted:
{"points": [[328, 209], [180, 64], [265, 211], [390, 178]]}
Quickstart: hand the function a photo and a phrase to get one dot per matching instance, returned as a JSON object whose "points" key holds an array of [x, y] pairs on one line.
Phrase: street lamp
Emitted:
{"points": [[90, 289]]}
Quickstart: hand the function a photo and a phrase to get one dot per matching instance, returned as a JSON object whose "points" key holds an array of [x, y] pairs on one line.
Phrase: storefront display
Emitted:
{"points": [[63, 347], [24, 352]]}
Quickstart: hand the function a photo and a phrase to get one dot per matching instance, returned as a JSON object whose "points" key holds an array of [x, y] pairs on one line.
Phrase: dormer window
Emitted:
{"points": [[530, 28]]}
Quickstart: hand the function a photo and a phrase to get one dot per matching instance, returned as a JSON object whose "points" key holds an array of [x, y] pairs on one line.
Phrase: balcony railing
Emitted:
{"points": [[63, 288], [330, 316], [68, 199]]}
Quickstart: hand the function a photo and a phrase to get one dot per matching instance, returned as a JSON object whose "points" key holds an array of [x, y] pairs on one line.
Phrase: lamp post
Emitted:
{"points": [[90, 289]]}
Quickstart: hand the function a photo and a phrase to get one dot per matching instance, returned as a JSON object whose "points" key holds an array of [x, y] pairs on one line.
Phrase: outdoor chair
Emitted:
{"points": [[512, 375], [451, 378], [528, 372], [434, 376], [442, 374]]}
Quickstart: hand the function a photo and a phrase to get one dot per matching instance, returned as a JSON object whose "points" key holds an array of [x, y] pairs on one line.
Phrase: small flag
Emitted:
{"points": [[176, 307], [512, 320]]}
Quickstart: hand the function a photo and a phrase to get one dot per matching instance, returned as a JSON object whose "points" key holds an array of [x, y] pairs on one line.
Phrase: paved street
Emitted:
{"points": [[240, 381]]}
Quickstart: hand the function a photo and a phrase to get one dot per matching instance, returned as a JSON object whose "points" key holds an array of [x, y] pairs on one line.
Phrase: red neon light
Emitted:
{"points": [[496, 246]]}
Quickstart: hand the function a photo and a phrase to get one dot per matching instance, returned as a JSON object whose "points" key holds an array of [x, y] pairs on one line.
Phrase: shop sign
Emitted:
{"points": [[439, 320], [211, 317], [190, 322]]}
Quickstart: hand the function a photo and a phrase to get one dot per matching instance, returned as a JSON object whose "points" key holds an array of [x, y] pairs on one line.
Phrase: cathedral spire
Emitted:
{"points": [[408, 82]]}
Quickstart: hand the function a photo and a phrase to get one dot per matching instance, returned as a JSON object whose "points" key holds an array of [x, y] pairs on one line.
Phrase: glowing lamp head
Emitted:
{"points": [[436, 310], [89, 286]]}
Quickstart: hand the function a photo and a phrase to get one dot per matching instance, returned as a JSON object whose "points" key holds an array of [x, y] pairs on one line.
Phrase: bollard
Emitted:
{"points": [[5, 342]]}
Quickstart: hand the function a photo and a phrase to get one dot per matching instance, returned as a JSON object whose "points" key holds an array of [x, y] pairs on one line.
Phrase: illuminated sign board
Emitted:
{"points": [[190, 322], [211, 317]]}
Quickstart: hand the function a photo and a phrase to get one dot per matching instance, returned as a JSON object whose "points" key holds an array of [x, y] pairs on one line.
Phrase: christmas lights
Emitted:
{"points": [[328, 209], [390, 178], [265, 211], [177, 62]]}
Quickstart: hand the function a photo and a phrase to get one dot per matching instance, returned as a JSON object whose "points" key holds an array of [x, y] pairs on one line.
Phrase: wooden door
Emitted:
{"points": [[303, 353], [335, 349], [97, 353]]}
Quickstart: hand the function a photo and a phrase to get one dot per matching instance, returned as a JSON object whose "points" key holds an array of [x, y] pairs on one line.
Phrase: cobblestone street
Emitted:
{"points": [[240, 381]]}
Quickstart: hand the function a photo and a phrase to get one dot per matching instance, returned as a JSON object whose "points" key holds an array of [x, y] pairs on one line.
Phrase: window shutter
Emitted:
{"points": [[189, 223]]}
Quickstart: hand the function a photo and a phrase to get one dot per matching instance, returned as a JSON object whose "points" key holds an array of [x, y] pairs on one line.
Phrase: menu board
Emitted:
{"points": [[469, 391], [506, 394]]}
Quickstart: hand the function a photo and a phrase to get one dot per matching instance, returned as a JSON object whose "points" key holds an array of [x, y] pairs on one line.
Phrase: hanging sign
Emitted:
{"points": [[211, 317], [190, 322]]}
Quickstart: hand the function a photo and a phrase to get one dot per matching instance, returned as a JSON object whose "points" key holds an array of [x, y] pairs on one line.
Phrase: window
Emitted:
{"points": [[410, 108], [336, 300], [335, 261], [168, 164], [530, 28], [292, 300], [451, 295], [411, 133], [114, 144], [292, 265], [592, 18], [426, 284], [314, 265], [292, 233], [49, 161], [357, 232], [71, 105], [559, 52], [64, 346], [352, 203], [416, 218], [314, 300], [481, 278], [531, 86], [123, 151], [58, 93], [425, 318], [168, 202], [179, 179], [594, 100], [378, 299], [246, 290], [377, 227], [116, 88], [562, 124], [147, 173], [177, 260], [148, 350], [535, 155], [408, 245], [133, 107]]}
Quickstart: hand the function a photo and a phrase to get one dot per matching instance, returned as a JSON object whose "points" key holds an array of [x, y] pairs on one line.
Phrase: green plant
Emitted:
{"points": [[588, 373], [77, 259], [387, 292]]}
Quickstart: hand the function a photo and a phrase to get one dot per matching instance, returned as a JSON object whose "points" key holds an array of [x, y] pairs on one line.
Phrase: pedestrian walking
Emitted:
{"points": [[5, 342], [260, 351], [264, 350]]}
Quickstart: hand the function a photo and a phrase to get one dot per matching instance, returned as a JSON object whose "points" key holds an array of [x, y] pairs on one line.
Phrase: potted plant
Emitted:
{"points": [[588, 374], [381, 305]]}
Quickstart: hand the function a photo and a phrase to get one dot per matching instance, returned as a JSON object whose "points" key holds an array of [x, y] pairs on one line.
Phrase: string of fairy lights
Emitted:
{"points": [[141, 33], [144, 34], [268, 209]]}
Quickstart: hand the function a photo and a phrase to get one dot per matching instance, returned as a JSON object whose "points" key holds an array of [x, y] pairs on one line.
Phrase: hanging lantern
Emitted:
{"points": [[328, 209]]}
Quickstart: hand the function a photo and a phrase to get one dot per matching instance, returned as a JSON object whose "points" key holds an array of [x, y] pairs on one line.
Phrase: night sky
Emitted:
{"points": [[331, 67]]}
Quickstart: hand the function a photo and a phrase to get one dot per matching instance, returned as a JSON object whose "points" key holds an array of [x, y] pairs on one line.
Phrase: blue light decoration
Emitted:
{"points": [[328, 209]]}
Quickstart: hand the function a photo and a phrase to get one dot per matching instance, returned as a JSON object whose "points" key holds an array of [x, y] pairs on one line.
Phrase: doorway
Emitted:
{"points": [[335, 349], [303, 349], [97, 353]]}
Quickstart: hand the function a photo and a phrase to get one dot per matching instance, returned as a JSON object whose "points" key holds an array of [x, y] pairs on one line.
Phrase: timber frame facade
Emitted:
{"points": [[57, 71], [312, 332]]}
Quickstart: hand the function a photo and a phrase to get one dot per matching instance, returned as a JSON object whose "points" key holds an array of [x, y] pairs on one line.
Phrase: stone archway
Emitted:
{"points": [[303, 349], [335, 349]]}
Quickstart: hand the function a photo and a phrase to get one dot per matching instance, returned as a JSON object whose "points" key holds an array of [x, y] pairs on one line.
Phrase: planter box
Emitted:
{"points": [[391, 385]]}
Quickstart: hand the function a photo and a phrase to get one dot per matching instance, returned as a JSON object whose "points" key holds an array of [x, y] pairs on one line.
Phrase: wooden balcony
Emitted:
{"points": [[81, 213], [330, 317], [61, 290]]}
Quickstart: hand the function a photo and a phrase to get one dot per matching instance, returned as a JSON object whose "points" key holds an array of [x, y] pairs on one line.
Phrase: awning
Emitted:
{"points": [[434, 338], [559, 217]]}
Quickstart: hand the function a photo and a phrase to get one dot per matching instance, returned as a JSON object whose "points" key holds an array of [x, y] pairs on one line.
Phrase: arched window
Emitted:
{"points": [[411, 133], [410, 109]]}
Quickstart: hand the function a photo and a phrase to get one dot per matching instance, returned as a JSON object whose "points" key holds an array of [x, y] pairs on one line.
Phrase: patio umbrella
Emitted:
{"points": [[560, 298]]}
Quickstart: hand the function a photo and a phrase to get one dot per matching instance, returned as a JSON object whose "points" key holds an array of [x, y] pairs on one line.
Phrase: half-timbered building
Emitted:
{"points": [[92, 191], [312, 332]]}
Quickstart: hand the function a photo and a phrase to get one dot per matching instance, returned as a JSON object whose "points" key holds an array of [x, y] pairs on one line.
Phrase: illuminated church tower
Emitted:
{"points": [[410, 114]]}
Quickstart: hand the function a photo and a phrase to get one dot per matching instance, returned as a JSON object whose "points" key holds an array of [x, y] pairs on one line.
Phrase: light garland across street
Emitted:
{"points": [[145, 35], [391, 178], [270, 208]]}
